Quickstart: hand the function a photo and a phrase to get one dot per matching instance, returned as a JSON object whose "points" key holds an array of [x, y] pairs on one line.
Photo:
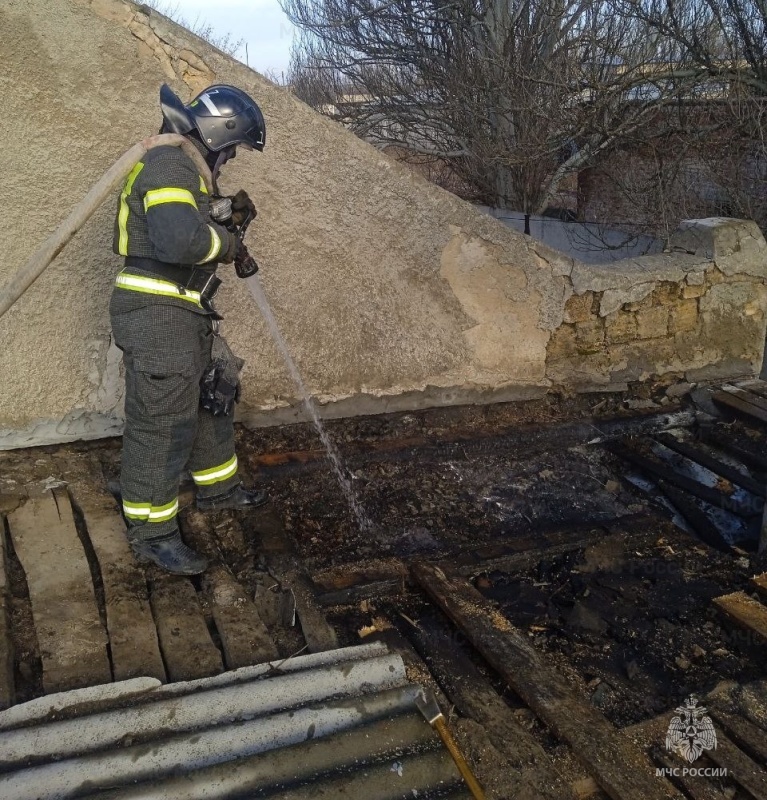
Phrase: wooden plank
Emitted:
{"points": [[359, 573], [709, 462], [281, 560], [739, 766], [133, 640], [759, 583], [746, 396], [279, 554], [697, 519], [474, 697], [349, 584], [762, 544], [185, 642], [741, 405], [244, 637], [364, 591], [716, 438], [7, 684], [710, 495], [650, 735], [268, 600], [619, 768], [71, 636], [750, 614], [753, 385], [318, 633], [513, 562], [745, 734], [698, 788]]}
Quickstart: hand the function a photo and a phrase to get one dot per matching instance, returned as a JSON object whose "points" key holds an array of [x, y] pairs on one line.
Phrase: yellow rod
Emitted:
{"points": [[447, 738]]}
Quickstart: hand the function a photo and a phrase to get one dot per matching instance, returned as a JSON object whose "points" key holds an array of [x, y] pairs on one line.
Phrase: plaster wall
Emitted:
{"points": [[390, 292]]}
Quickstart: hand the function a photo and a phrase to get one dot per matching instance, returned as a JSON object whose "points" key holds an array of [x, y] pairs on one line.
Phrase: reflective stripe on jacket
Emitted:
{"points": [[163, 212], [156, 286]]}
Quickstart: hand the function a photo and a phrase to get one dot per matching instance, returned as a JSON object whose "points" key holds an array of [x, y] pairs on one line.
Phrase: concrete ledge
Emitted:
{"points": [[365, 404], [78, 425]]}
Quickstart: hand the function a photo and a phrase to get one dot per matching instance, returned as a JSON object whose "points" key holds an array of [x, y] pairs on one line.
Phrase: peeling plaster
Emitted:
{"points": [[106, 377], [506, 338], [613, 299], [78, 425]]}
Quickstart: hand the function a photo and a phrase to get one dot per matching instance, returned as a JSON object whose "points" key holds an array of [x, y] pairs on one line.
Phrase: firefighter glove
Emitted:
{"points": [[241, 205]]}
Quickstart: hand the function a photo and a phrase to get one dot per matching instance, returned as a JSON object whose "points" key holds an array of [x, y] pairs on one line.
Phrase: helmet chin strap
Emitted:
{"points": [[218, 160]]}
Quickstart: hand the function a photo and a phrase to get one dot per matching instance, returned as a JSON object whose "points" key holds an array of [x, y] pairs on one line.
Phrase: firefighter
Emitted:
{"points": [[173, 234]]}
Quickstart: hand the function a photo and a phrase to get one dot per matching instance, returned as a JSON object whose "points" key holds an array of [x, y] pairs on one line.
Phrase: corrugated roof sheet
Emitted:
{"points": [[335, 724]]}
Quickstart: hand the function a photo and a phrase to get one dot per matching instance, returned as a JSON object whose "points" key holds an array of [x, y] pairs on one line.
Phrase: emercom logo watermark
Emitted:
{"points": [[689, 734]]}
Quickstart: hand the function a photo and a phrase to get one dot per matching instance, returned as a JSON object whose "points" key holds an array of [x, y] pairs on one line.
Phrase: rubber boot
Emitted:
{"points": [[171, 554], [238, 498]]}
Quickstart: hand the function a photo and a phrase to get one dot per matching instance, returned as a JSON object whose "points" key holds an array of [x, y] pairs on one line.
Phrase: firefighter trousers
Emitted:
{"points": [[165, 352]]}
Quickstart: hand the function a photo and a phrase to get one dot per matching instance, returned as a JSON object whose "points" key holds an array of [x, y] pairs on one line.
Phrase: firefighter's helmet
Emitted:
{"points": [[223, 116]]}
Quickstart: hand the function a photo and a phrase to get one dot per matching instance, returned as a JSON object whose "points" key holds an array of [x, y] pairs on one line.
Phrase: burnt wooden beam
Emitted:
{"points": [[745, 395], [362, 591], [746, 612], [709, 462], [698, 788], [759, 583], [318, 632], [619, 768], [650, 735], [475, 698], [696, 518], [739, 766], [755, 386], [741, 402], [716, 438], [514, 562], [345, 584], [749, 737], [528, 438], [657, 470], [522, 551], [279, 555]]}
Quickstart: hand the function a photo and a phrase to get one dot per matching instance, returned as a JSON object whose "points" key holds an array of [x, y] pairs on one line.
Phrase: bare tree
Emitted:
{"points": [[710, 153], [516, 95], [718, 42]]}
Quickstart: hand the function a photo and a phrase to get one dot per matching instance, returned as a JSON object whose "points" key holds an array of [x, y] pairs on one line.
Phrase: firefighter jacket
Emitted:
{"points": [[163, 216]]}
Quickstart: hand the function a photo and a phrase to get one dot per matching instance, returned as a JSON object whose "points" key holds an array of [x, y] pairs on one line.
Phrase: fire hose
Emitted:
{"points": [[84, 210]]}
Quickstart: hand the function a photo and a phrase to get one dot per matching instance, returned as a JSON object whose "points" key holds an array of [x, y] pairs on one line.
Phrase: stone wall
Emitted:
{"points": [[697, 313], [391, 293]]}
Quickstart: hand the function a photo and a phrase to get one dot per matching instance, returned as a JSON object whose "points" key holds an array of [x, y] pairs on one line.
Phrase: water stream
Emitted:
{"points": [[364, 522]]}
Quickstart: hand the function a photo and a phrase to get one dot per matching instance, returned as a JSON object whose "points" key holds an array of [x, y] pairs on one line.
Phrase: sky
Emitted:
{"points": [[260, 23]]}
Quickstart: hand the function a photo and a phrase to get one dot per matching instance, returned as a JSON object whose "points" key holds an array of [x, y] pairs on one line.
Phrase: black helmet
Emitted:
{"points": [[225, 115]]}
